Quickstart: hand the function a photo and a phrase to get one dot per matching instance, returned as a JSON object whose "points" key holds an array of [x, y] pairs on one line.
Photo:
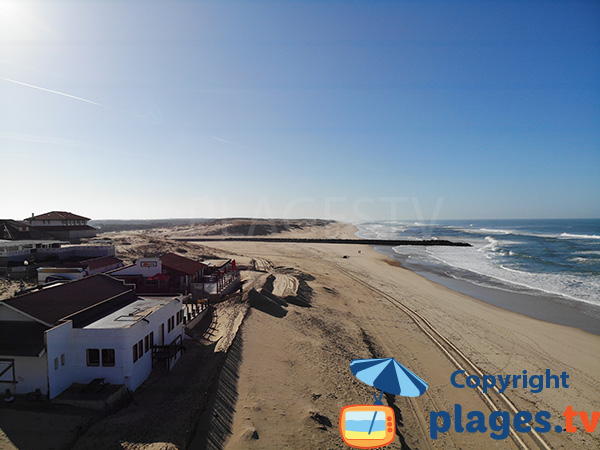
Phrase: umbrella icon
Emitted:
{"points": [[387, 375]]}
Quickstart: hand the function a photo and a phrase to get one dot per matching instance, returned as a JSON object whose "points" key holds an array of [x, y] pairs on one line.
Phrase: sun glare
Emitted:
{"points": [[16, 20]]}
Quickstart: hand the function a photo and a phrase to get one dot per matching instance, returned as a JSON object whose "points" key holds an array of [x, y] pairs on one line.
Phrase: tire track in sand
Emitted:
{"points": [[459, 360]]}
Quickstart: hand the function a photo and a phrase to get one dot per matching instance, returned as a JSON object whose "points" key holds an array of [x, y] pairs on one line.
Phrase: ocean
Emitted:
{"points": [[559, 259]]}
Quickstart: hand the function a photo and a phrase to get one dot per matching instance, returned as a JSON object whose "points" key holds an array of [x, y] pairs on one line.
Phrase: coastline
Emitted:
{"points": [[546, 307], [305, 352]]}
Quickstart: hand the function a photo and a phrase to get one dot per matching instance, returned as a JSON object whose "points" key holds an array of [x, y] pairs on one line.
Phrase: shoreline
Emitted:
{"points": [[547, 308], [307, 351]]}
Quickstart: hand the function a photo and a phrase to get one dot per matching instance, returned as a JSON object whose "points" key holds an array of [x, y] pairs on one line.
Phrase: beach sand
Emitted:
{"points": [[293, 375], [283, 363]]}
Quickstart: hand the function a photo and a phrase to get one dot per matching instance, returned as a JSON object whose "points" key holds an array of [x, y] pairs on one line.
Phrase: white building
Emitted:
{"points": [[33, 251], [92, 328]]}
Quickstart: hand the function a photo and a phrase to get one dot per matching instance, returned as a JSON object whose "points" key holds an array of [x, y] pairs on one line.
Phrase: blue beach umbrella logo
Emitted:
{"points": [[388, 375], [373, 426]]}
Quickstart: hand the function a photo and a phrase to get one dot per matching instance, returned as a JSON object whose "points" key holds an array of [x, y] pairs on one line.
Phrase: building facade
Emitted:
{"points": [[63, 225], [94, 328]]}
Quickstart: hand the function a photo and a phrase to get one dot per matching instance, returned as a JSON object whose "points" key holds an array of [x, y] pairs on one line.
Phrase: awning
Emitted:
{"points": [[159, 277]]}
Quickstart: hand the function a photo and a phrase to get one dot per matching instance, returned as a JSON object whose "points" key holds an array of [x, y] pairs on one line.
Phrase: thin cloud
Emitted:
{"points": [[74, 97], [227, 142], [41, 139]]}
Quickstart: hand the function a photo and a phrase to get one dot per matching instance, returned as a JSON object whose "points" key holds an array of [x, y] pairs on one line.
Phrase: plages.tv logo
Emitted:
{"points": [[500, 424], [374, 426]]}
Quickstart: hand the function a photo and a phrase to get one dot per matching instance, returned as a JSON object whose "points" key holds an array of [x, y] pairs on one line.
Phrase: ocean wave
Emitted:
{"points": [[582, 260], [483, 230], [580, 236], [506, 232], [551, 258], [568, 285], [493, 245]]}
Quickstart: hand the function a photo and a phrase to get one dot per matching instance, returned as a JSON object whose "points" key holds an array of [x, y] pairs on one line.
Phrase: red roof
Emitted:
{"points": [[181, 264], [104, 261], [57, 215]]}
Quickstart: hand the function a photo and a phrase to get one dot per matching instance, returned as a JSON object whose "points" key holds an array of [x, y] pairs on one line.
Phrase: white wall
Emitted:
{"points": [[46, 223], [58, 343], [85, 251], [74, 342], [30, 372], [143, 266], [20, 252]]}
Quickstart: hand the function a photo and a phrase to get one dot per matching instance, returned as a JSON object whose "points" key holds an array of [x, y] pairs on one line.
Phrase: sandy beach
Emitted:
{"points": [[271, 368], [295, 368]]}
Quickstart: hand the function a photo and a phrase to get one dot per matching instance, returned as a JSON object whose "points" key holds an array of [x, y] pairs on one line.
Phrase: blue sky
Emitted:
{"points": [[348, 110]]}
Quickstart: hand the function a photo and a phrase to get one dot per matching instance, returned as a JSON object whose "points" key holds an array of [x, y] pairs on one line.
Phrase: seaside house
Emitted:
{"points": [[139, 273], [62, 225], [96, 328], [221, 276], [169, 273], [184, 272], [101, 265]]}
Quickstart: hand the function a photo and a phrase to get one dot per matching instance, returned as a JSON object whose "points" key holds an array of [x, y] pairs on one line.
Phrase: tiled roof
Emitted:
{"points": [[181, 264], [98, 263], [21, 338], [52, 304], [58, 215]]}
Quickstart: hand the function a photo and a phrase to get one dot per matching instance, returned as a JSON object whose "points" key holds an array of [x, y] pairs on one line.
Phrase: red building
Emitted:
{"points": [[170, 273], [184, 272]]}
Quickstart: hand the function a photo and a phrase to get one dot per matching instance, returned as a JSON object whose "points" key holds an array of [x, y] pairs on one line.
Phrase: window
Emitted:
{"points": [[135, 353], [93, 357], [146, 343], [177, 322], [151, 339], [140, 348], [55, 363], [62, 359], [108, 357]]}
